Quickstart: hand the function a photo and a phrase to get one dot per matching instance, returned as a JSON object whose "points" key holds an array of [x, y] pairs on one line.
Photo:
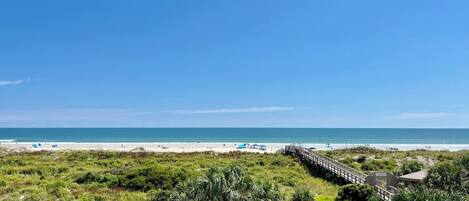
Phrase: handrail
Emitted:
{"points": [[338, 164], [324, 158], [356, 176], [383, 193]]}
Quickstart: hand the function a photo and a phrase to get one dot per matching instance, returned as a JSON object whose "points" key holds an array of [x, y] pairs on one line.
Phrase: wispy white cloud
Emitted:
{"points": [[236, 110], [424, 115], [75, 117], [10, 82], [68, 115]]}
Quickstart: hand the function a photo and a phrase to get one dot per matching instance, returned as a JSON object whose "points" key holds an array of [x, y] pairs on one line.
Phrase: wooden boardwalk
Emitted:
{"points": [[341, 170]]}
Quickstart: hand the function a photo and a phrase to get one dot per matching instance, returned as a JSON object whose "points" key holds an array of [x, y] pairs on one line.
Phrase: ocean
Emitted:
{"points": [[265, 135]]}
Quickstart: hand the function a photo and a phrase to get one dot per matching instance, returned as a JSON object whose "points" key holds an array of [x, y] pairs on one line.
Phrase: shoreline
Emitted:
{"points": [[219, 147]]}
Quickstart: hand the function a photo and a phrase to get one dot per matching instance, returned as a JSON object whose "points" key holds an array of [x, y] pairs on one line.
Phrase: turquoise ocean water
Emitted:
{"points": [[266, 135]]}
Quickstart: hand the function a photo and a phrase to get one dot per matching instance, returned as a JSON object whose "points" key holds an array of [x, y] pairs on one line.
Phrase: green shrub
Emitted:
{"points": [[355, 192], [464, 162], [362, 149], [360, 159], [137, 183], [265, 191], [379, 165], [141, 179], [260, 163], [152, 177], [370, 166], [302, 194], [445, 176], [347, 160], [94, 177], [420, 193], [410, 167]]}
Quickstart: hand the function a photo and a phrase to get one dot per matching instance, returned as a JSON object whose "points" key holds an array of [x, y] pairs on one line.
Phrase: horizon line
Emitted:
{"points": [[196, 127]]}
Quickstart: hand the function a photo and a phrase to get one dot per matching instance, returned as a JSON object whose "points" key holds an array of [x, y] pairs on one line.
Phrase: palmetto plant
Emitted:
{"points": [[421, 193], [228, 184]]}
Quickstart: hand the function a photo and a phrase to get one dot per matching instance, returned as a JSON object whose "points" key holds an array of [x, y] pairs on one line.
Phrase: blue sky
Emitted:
{"points": [[262, 63]]}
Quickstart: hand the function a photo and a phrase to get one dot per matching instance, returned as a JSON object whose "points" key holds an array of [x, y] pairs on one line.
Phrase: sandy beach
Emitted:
{"points": [[181, 147]]}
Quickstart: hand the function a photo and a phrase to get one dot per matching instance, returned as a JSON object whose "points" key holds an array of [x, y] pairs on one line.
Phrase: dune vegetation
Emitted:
{"points": [[366, 159], [103, 175], [107, 175], [447, 179]]}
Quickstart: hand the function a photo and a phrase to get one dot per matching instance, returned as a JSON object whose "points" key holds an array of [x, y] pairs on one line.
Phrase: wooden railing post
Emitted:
{"points": [[341, 170]]}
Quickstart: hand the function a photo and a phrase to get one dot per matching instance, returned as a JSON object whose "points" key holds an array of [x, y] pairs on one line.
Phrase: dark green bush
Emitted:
{"points": [[152, 177], [410, 167], [302, 194], [136, 183], [445, 176], [360, 159], [95, 177], [355, 192], [260, 163]]}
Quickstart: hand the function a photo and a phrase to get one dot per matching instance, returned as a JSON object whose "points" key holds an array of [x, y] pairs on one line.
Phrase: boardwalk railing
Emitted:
{"points": [[337, 168], [341, 170], [383, 193]]}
